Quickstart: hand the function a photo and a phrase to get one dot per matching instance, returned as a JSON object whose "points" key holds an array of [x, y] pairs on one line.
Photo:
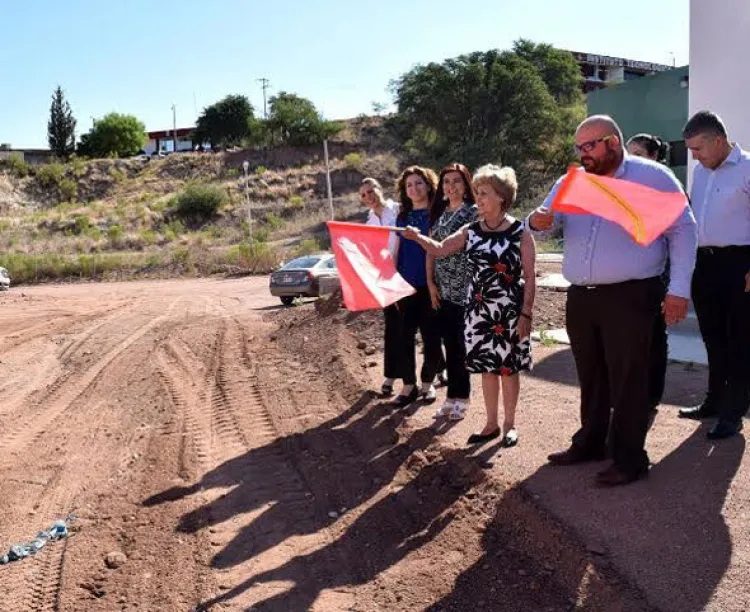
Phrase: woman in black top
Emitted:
{"points": [[452, 208]]}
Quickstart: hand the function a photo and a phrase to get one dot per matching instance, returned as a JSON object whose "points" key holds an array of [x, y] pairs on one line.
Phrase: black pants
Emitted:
{"points": [[417, 314], [393, 342], [451, 325], [659, 355], [723, 309], [610, 329]]}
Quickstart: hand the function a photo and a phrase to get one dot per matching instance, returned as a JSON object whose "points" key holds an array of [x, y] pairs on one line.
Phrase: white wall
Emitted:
{"points": [[719, 63]]}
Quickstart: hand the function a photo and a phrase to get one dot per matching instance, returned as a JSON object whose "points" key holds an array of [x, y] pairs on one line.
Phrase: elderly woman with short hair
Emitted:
{"points": [[500, 298]]}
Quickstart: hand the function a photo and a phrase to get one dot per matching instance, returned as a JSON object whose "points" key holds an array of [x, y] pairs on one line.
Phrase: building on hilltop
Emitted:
{"points": [[163, 140], [600, 71], [30, 156], [656, 104]]}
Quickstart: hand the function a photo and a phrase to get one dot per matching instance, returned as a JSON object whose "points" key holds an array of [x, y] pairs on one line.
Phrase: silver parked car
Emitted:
{"points": [[307, 276], [4, 280]]}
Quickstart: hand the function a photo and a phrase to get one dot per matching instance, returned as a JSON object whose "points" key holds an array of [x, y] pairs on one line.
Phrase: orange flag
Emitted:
{"points": [[643, 212], [366, 269]]}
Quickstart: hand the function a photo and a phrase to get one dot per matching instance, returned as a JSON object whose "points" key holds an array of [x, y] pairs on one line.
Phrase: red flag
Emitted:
{"points": [[366, 269], [643, 212]]}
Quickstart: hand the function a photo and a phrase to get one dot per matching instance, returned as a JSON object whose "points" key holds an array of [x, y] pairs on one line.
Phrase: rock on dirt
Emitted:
{"points": [[115, 559]]}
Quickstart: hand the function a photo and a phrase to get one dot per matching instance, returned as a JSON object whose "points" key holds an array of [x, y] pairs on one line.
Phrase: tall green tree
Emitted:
{"points": [[228, 122], [559, 70], [295, 121], [492, 106], [114, 135], [61, 127]]}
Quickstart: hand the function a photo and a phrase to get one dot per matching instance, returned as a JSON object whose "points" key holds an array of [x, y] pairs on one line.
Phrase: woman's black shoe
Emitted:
{"points": [[481, 439], [402, 401], [386, 390]]}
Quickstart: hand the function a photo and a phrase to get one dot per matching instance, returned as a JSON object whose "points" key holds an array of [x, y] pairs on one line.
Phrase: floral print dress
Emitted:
{"points": [[494, 301]]}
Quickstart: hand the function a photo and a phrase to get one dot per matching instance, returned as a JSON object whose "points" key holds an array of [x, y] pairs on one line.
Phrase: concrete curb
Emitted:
{"points": [[685, 346]]}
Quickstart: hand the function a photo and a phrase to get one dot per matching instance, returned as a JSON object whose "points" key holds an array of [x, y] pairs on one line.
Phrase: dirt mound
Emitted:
{"points": [[528, 561]]}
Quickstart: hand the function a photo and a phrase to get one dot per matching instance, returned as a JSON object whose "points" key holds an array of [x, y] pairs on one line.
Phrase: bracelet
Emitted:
{"points": [[526, 315]]}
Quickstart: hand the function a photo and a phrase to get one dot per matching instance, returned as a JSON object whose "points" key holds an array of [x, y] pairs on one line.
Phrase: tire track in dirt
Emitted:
{"points": [[53, 326], [177, 373], [94, 450], [76, 344], [35, 584], [46, 365], [64, 392], [226, 420], [19, 389]]}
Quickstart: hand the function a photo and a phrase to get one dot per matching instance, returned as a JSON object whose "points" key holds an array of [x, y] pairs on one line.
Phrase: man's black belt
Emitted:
{"points": [[620, 284], [732, 248]]}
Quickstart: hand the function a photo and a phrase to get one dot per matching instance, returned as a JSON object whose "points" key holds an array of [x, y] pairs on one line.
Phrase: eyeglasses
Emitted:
{"points": [[589, 145]]}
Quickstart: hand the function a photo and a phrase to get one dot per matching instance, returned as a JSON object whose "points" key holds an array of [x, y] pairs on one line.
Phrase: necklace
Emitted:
{"points": [[453, 213], [492, 229]]}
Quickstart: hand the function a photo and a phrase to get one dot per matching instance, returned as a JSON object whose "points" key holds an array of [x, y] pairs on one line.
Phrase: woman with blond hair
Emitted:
{"points": [[384, 212], [500, 295], [416, 188]]}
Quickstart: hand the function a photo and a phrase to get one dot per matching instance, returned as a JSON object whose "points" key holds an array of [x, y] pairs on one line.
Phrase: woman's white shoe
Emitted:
{"points": [[459, 410], [429, 394], [444, 410]]}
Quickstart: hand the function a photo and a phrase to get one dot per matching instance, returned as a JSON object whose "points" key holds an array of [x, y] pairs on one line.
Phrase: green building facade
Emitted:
{"points": [[656, 104]]}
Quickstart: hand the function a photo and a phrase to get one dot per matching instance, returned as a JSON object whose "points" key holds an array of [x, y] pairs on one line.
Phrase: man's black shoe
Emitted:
{"points": [[722, 430], [704, 411], [573, 455], [615, 477]]}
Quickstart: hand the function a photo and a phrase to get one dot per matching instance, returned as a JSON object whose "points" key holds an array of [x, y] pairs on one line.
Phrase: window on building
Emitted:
{"points": [[677, 153]]}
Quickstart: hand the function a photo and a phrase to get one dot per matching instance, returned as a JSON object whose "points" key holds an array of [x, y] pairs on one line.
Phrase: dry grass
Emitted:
{"points": [[131, 228]]}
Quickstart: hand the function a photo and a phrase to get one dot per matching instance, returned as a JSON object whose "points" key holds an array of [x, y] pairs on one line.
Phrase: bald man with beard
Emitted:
{"points": [[615, 295]]}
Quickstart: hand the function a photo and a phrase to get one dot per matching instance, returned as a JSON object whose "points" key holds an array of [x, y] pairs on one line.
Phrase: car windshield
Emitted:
{"points": [[301, 262]]}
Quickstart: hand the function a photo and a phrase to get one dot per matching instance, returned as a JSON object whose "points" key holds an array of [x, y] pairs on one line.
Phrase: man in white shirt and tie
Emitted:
{"points": [[720, 197]]}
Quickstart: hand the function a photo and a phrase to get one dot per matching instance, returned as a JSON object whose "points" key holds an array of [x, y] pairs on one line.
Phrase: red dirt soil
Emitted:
{"points": [[231, 451]]}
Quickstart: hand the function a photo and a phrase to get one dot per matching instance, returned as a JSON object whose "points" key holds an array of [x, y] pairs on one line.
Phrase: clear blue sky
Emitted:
{"points": [[141, 56]]}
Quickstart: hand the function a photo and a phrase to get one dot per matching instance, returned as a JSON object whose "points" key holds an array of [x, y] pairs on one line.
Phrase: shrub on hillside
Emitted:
{"points": [[50, 175], [115, 234], [308, 246], [200, 201], [354, 160], [68, 190], [17, 166], [273, 221], [254, 256], [82, 224]]}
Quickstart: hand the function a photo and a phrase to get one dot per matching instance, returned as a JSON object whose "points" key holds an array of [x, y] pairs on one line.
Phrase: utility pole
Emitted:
{"points": [[264, 84], [328, 178], [174, 127], [246, 167]]}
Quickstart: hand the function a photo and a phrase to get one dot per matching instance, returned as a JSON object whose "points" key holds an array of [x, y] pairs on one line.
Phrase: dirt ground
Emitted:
{"points": [[234, 454]]}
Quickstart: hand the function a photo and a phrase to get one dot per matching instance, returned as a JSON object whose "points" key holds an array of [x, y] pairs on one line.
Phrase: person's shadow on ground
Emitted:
{"points": [[666, 535], [405, 520], [303, 480]]}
